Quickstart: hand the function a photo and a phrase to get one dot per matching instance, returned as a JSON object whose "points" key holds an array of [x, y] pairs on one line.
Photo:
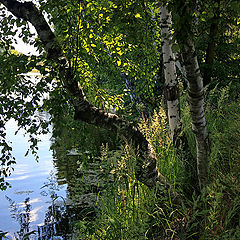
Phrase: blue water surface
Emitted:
{"points": [[27, 181]]}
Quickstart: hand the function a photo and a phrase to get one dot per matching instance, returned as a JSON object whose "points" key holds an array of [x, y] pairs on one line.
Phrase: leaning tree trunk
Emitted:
{"points": [[146, 169], [171, 83]]}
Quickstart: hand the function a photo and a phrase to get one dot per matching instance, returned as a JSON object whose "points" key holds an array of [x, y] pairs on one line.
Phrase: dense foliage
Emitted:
{"points": [[114, 52]]}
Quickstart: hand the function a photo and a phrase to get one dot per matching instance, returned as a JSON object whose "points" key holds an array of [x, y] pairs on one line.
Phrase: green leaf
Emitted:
{"points": [[119, 63], [138, 15]]}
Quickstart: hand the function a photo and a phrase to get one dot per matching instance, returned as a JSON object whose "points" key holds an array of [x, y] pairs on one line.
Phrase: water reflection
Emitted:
{"points": [[56, 223], [21, 214], [23, 208], [48, 196]]}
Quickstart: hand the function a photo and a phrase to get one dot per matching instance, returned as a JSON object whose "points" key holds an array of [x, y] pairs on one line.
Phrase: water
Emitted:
{"points": [[47, 196], [26, 203]]}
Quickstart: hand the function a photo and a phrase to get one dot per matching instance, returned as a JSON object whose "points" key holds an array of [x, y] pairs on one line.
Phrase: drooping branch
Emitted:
{"points": [[146, 170]]}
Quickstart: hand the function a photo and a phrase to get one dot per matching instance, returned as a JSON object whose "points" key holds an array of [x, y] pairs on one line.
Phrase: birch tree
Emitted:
{"points": [[171, 83], [195, 91], [173, 99]]}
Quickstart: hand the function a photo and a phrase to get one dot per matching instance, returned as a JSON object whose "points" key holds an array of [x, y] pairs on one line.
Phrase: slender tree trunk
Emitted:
{"points": [[210, 53], [173, 103], [145, 112], [184, 37], [180, 66], [171, 83], [196, 103], [136, 100]]}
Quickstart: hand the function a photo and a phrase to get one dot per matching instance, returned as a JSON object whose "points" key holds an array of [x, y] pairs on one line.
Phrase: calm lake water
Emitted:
{"points": [[47, 196], [33, 183]]}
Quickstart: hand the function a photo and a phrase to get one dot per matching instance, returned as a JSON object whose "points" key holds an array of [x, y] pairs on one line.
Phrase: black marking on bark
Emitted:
{"points": [[196, 95], [197, 71], [171, 93]]}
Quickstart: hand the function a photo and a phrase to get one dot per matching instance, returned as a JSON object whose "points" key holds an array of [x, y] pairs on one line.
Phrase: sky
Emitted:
{"points": [[20, 46], [24, 48]]}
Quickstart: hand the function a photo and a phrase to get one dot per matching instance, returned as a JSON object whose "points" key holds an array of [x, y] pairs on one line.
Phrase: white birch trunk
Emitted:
{"points": [[196, 103], [171, 83]]}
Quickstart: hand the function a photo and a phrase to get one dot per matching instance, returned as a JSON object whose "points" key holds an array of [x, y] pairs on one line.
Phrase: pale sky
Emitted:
{"points": [[24, 48]]}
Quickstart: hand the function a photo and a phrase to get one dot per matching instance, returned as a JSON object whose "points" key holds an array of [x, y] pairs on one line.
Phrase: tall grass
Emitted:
{"points": [[223, 113], [128, 210]]}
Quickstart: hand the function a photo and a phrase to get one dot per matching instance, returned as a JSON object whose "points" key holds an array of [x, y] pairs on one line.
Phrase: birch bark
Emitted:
{"points": [[196, 103], [184, 35], [171, 83]]}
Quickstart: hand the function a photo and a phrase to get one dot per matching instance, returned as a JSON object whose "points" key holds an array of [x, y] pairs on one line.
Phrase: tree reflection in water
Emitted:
{"points": [[80, 175], [56, 222], [22, 216]]}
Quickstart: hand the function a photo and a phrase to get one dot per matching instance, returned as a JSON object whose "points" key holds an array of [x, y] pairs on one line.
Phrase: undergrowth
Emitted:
{"points": [[128, 210]]}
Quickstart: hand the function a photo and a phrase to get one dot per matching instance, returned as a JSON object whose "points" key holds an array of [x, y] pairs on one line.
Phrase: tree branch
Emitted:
{"points": [[146, 170]]}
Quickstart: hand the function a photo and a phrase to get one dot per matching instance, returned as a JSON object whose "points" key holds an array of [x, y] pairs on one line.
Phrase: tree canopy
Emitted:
{"points": [[98, 56]]}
